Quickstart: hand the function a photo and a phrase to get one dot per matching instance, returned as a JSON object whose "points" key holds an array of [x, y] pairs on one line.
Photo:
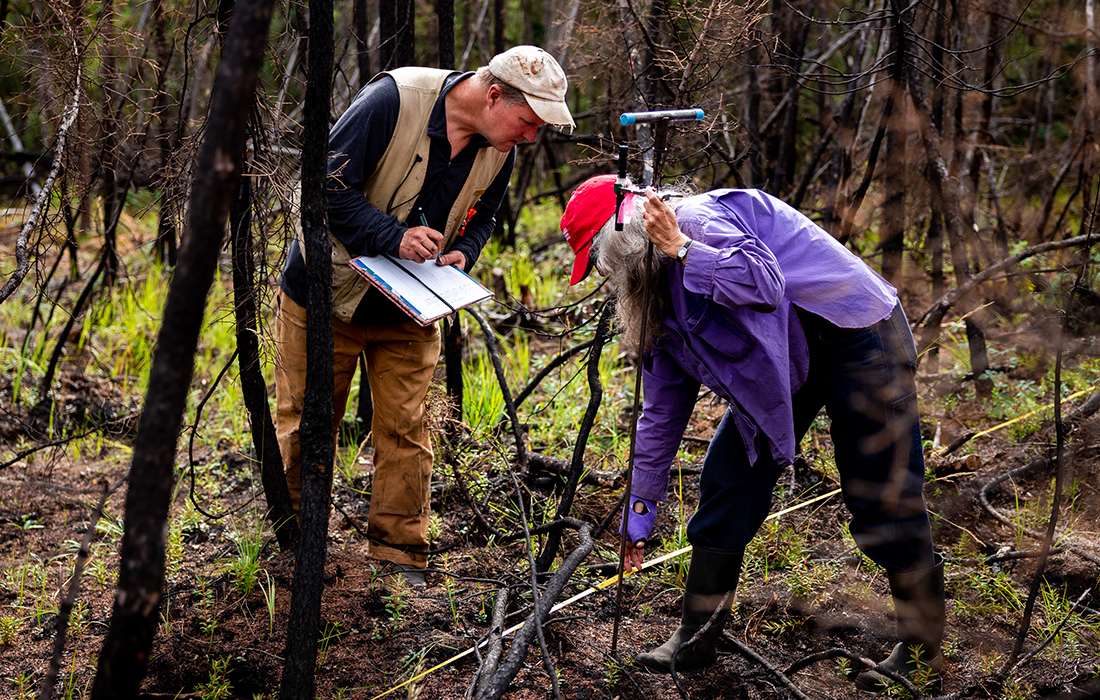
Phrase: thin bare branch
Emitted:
{"points": [[22, 259]]}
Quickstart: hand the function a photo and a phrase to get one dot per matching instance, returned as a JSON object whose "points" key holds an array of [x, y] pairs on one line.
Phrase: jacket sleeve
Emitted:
{"points": [[730, 266], [669, 399], [357, 142]]}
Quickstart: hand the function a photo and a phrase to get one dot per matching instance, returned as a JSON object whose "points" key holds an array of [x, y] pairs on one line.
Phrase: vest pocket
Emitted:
{"points": [[347, 284]]}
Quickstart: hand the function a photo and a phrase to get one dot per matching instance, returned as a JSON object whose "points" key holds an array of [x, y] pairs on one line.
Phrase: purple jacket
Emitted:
{"points": [[733, 325]]}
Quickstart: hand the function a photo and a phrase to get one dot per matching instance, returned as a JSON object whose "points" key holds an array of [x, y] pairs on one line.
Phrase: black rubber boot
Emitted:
{"points": [[920, 609], [711, 575]]}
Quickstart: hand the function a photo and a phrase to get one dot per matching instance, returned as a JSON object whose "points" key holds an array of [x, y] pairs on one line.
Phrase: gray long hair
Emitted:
{"points": [[621, 255]]}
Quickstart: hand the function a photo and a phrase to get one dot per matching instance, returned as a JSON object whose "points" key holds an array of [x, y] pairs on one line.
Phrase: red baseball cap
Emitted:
{"points": [[591, 205]]}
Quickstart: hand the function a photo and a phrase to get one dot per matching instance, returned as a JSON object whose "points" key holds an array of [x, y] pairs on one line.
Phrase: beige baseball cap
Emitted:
{"points": [[538, 76]]}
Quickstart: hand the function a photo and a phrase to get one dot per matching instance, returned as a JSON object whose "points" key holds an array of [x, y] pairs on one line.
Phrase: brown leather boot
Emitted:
{"points": [[711, 575]]}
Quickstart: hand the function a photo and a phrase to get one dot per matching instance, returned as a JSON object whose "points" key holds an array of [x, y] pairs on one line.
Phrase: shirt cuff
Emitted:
{"points": [[649, 485], [699, 268]]}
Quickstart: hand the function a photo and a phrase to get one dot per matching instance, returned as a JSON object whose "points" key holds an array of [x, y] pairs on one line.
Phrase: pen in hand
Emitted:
{"points": [[424, 222], [454, 257]]}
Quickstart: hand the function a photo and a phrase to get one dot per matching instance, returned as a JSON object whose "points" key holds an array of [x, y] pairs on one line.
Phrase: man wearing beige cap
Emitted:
{"points": [[418, 166]]}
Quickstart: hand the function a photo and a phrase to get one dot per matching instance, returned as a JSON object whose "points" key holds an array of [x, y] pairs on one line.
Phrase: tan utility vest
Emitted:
{"points": [[400, 174]]}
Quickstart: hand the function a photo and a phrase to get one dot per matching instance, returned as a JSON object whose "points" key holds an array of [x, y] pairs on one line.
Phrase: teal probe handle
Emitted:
{"points": [[672, 115]]}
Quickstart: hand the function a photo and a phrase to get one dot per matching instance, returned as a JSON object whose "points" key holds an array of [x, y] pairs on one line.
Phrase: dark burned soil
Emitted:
{"points": [[378, 633]]}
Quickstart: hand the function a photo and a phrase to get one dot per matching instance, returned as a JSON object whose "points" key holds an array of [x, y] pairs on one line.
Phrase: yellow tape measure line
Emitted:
{"points": [[584, 594], [1019, 418], [803, 504], [653, 562]]}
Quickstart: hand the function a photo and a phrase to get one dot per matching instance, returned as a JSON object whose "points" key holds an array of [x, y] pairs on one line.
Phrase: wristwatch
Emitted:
{"points": [[681, 255]]}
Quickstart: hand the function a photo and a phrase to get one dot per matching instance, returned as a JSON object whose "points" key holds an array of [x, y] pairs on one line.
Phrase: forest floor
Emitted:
{"points": [[804, 589], [219, 640]]}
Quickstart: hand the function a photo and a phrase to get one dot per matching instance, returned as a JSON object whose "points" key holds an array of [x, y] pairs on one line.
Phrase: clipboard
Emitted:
{"points": [[425, 291]]}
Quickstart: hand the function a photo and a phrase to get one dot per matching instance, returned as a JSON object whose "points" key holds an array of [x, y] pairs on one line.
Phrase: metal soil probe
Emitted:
{"points": [[660, 120]]}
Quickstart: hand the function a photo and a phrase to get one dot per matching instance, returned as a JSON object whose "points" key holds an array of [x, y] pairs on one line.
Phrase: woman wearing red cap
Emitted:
{"points": [[753, 300]]}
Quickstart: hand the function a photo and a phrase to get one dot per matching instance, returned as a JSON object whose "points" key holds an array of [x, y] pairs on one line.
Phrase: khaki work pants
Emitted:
{"points": [[400, 362]]}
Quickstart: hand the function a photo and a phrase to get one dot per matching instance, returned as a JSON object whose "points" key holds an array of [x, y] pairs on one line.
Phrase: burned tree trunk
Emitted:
{"points": [[945, 197], [387, 38], [785, 157], [445, 11], [253, 388], [553, 542], [364, 412], [112, 141], [893, 208], [404, 50], [752, 117], [452, 360], [125, 653], [317, 410], [362, 46]]}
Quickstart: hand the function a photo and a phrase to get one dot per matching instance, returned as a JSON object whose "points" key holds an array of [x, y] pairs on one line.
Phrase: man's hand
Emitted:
{"points": [[661, 226], [455, 257], [420, 243]]}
